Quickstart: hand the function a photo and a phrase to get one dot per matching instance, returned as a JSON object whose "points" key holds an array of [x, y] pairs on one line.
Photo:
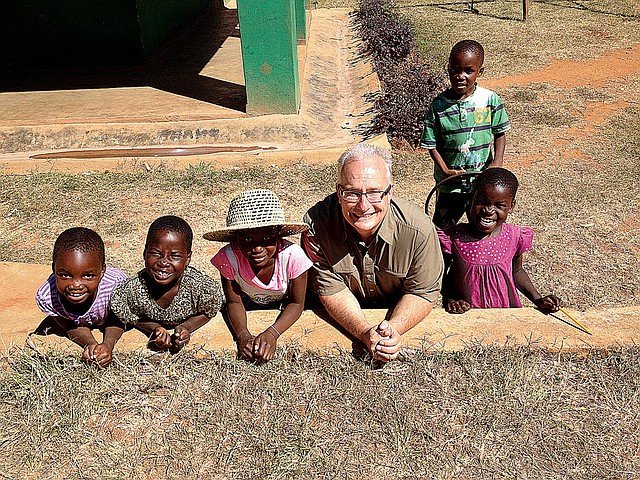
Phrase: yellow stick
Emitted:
{"points": [[575, 320]]}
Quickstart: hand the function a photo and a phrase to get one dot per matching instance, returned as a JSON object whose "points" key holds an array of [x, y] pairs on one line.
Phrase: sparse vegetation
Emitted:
{"points": [[480, 413], [408, 83], [484, 412]]}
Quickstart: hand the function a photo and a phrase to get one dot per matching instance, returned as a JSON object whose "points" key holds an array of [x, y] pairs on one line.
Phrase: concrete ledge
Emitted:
{"points": [[20, 163], [19, 316], [337, 88]]}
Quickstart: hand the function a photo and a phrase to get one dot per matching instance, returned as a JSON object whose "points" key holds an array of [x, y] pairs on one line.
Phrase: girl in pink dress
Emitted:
{"points": [[260, 270], [484, 256]]}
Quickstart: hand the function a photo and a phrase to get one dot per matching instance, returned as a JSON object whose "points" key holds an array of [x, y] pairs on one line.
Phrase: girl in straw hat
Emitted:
{"points": [[260, 269]]}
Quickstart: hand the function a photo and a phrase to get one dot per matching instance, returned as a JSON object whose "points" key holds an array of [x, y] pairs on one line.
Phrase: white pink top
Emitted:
{"points": [[291, 262]]}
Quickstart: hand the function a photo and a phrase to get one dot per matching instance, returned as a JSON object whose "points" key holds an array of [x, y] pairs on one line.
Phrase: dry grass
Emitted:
{"points": [[35, 208], [121, 206], [485, 412], [583, 206], [561, 29], [480, 413]]}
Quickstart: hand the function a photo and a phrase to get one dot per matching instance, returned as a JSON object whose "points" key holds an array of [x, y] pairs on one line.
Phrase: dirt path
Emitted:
{"points": [[612, 72], [611, 66]]}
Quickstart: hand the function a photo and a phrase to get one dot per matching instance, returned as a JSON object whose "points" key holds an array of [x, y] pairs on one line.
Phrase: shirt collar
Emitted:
{"points": [[386, 230]]}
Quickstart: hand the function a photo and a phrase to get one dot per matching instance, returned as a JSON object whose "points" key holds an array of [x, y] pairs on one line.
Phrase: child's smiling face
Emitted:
{"points": [[464, 69], [166, 257], [489, 209], [78, 275], [258, 245]]}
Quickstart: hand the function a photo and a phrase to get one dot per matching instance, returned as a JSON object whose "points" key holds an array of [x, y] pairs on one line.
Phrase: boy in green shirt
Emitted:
{"points": [[460, 126]]}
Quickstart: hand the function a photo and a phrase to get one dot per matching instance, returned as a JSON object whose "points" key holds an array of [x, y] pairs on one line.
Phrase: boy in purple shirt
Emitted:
{"points": [[76, 297]]}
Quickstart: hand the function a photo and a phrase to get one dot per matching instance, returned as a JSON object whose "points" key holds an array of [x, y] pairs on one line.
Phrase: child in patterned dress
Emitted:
{"points": [[76, 296], [484, 257], [168, 293], [260, 269]]}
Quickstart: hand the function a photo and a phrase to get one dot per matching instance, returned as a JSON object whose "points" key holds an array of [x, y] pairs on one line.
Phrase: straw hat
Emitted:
{"points": [[255, 209]]}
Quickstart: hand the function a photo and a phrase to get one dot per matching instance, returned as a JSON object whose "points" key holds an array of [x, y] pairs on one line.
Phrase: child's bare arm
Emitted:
{"points": [[113, 330], [83, 336], [102, 353], [238, 318], [79, 335], [499, 144], [157, 334], [264, 346], [440, 163], [547, 304]]}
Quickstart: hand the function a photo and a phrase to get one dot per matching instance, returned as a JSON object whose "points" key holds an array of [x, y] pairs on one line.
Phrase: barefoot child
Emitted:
{"points": [[76, 297], [484, 256], [260, 269], [168, 293], [459, 128]]}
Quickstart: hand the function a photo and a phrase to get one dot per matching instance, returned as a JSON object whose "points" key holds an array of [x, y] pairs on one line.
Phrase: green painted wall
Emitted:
{"points": [[161, 19], [269, 55], [65, 33]]}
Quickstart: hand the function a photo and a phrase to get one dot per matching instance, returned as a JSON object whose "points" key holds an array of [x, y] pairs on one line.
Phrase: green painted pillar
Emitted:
{"points": [[269, 55], [301, 20]]}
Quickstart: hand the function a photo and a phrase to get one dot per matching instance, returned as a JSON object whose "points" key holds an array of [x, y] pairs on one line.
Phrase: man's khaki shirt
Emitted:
{"points": [[403, 258]]}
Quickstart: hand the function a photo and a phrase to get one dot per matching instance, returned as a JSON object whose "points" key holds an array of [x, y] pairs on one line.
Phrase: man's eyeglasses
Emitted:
{"points": [[353, 197]]}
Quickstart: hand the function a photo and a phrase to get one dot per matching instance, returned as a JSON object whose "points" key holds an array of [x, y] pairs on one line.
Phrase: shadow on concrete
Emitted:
{"points": [[48, 326], [175, 68]]}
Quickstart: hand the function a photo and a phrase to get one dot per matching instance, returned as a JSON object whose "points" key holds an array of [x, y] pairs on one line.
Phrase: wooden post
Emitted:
{"points": [[525, 10]]}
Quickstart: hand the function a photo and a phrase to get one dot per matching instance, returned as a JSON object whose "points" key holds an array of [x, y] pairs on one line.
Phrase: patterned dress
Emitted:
{"points": [[481, 271], [198, 294]]}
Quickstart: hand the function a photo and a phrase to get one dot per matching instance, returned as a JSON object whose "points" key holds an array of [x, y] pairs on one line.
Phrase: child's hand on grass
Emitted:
{"points": [[264, 345], [245, 346], [181, 337], [102, 355], [160, 338], [97, 353], [548, 304], [456, 306]]}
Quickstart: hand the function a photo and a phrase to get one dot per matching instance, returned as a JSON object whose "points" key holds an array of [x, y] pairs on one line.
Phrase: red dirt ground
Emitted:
{"points": [[608, 72]]}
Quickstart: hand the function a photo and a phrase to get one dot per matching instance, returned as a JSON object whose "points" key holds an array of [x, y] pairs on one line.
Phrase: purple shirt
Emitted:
{"points": [[482, 269], [50, 302]]}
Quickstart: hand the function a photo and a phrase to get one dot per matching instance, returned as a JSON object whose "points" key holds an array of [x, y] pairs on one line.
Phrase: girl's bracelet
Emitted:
{"points": [[271, 327]]}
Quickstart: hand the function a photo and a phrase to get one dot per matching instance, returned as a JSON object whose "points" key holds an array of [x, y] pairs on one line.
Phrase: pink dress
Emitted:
{"points": [[482, 270]]}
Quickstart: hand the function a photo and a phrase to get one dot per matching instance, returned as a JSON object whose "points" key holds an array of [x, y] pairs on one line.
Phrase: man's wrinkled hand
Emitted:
{"points": [[388, 347]]}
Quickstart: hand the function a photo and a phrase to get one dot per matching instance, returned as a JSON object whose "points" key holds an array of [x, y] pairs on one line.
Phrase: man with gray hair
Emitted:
{"points": [[372, 250]]}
